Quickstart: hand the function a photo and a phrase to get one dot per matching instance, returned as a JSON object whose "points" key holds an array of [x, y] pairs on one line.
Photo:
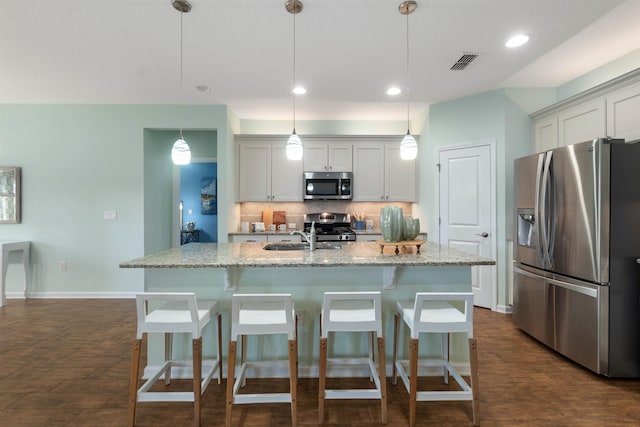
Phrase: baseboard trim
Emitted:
{"points": [[73, 295], [506, 309]]}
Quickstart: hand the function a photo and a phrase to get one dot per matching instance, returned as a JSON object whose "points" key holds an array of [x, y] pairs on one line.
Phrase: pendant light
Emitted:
{"points": [[408, 145], [181, 153], [294, 144]]}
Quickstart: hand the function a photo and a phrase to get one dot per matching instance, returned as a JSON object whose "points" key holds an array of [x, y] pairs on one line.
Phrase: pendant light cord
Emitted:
{"points": [[293, 95], [407, 89], [181, 100]]}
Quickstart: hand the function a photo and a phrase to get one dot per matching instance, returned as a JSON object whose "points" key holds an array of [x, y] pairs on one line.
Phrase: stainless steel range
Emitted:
{"points": [[330, 227]]}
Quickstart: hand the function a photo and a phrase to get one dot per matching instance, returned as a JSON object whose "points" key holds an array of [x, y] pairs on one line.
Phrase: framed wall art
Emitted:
{"points": [[9, 195]]}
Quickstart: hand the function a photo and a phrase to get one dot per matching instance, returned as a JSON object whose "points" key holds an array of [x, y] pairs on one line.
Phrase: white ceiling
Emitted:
{"points": [[347, 52]]}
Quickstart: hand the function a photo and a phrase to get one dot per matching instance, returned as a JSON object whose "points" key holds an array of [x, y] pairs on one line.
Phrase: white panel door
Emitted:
{"points": [[467, 213]]}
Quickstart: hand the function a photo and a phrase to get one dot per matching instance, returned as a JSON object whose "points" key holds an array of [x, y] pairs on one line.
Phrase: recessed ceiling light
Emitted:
{"points": [[516, 41], [299, 90], [394, 91], [203, 88]]}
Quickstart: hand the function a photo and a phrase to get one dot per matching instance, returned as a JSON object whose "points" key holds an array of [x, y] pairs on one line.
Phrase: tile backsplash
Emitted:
{"points": [[252, 211]]}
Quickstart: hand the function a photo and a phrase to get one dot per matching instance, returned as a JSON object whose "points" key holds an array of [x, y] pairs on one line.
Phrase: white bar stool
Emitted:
{"points": [[261, 314], [174, 313], [353, 312], [436, 313]]}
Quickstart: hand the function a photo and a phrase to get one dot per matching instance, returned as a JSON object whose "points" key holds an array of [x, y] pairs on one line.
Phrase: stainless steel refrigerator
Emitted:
{"points": [[576, 275]]}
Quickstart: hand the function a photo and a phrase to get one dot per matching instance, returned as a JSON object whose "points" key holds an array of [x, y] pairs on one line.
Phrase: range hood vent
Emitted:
{"points": [[466, 59]]}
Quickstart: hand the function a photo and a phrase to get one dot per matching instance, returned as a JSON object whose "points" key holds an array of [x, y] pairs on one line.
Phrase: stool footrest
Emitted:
{"points": [[212, 366], [352, 394], [165, 396], [240, 399], [464, 394]]}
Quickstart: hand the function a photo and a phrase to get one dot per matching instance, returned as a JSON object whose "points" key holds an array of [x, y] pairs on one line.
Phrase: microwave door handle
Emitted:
{"points": [[537, 210]]}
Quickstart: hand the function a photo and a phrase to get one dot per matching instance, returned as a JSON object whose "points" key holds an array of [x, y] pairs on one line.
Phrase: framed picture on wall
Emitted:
{"points": [[208, 196], [9, 195]]}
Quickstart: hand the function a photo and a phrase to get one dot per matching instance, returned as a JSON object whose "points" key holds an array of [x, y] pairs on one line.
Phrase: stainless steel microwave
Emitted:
{"points": [[327, 185]]}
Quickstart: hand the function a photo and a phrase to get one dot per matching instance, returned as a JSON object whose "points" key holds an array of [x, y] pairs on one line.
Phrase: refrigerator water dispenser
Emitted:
{"points": [[526, 228]]}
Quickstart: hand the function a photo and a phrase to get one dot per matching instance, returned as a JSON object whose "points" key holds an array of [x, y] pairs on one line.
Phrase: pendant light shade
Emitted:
{"points": [[408, 145], [294, 143], [180, 152], [294, 147]]}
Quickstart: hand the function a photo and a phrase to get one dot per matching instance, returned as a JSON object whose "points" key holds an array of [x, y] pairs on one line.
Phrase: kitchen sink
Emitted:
{"points": [[283, 246]]}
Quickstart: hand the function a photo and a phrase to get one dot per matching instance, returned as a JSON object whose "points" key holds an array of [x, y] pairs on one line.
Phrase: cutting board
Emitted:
{"points": [[267, 217], [279, 217]]}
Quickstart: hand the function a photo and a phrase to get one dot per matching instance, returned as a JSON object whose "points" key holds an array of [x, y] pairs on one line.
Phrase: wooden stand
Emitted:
{"points": [[416, 243]]}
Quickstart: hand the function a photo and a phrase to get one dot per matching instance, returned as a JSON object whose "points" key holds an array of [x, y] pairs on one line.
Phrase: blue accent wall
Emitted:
{"points": [[192, 179]]}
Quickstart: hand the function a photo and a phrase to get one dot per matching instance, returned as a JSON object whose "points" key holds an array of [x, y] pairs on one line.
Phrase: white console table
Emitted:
{"points": [[10, 246]]}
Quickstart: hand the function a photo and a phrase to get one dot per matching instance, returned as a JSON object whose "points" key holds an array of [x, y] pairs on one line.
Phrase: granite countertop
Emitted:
{"points": [[356, 254]]}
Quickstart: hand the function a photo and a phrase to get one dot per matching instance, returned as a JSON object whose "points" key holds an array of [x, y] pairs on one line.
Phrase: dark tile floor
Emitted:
{"points": [[66, 363]]}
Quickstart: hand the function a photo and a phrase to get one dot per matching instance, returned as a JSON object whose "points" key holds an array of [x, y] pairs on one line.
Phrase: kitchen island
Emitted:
{"points": [[217, 270]]}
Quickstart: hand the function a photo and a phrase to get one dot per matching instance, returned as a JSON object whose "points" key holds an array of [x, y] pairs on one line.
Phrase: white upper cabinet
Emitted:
{"points": [[399, 175], [368, 173], [254, 180], [610, 109], [623, 113], [545, 133], [584, 122], [286, 176], [320, 157], [379, 174], [265, 173]]}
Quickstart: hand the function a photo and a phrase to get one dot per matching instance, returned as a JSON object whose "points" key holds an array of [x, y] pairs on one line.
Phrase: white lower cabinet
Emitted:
{"points": [[368, 237], [284, 238], [240, 238], [263, 238]]}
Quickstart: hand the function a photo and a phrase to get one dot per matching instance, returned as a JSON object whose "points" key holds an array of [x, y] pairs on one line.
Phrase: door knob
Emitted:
{"points": [[483, 234]]}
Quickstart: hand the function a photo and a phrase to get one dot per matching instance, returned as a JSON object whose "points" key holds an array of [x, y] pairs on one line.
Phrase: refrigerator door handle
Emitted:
{"points": [[576, 288], [544, 209], [538, 206], [526, 273], [593, 293]]}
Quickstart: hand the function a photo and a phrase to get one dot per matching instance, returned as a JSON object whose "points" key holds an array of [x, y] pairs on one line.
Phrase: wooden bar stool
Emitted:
{"points": [[436, 313], [171, 313], [353, 312], [261, 314]]}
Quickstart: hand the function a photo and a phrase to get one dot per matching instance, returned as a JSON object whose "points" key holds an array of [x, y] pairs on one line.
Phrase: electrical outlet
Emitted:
{"points": [[110, 215], [300, 316], [62, 266]]}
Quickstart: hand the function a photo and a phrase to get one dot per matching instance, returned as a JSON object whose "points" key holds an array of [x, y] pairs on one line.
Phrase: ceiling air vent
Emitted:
{"points": [[466, 59]]}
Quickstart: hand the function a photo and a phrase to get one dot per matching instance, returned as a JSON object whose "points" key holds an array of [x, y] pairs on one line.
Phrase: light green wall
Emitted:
{"points": [[620, 66], [487, 116], [80, 160]]}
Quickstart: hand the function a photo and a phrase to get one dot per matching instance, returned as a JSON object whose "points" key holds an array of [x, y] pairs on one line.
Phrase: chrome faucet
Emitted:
{"points": [[309, 237]]}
